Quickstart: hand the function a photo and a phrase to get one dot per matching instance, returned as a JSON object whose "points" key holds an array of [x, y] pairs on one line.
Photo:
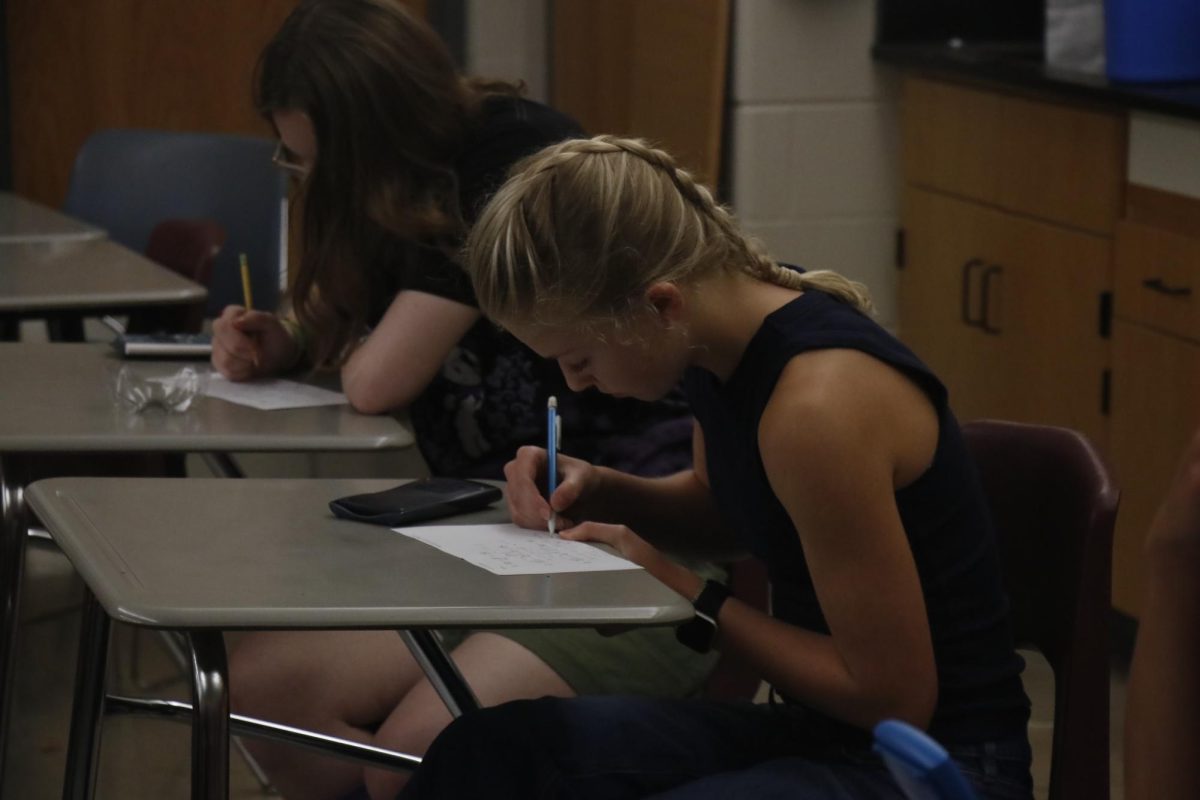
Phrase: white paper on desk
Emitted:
{"points": [[510, 550], [271, 394]]}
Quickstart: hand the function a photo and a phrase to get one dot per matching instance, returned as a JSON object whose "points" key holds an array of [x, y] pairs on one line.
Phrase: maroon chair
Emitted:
{"points": [[1054, 504], [187, 247], [731, 678]]}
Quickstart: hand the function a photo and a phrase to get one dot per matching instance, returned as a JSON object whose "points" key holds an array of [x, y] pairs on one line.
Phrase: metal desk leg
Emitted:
{"points": [[210, 716], [241, 725], [441, 671], [13, 523], [83, 749], [223, 466]]}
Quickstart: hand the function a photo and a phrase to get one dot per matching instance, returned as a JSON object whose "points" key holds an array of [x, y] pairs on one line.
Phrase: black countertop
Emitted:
{"points": [[1021, 66]]}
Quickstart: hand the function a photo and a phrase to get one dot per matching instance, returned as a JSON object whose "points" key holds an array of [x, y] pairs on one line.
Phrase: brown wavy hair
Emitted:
{"points": [[390, 111]]}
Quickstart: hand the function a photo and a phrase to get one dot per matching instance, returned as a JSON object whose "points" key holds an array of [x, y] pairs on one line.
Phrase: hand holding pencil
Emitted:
{"points": [[528, 483], [249, 344]]}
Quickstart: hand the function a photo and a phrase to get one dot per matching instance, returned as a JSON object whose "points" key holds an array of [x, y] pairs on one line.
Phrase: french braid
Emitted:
{"points": [[756, 261], [574, 236]]}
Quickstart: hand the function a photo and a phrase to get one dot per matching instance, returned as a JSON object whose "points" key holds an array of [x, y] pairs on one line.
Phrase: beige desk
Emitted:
{"points": [[25, 221], [206, 555], [93, 276], [56, 398]]}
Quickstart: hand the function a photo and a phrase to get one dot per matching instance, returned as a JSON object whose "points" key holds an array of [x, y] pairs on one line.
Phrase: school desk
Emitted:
{"points": [[23, 220], [205, 555], [72, 279], [57, 398]]}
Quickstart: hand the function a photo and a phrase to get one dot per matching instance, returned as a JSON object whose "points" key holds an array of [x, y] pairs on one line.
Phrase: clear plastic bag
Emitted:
{"points": [[1075, 35], [137, 391]]}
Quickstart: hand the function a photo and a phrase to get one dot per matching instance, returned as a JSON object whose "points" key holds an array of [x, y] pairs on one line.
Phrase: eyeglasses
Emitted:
{"points": [[283, 158]]}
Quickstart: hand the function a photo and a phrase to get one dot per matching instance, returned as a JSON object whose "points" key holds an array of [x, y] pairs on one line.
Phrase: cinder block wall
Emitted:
{"points": [[814, 163]]}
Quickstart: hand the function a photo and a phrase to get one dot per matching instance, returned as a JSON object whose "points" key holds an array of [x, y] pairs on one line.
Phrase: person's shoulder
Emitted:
{"points": [[832, 403], [827, 394], [817, 384]]}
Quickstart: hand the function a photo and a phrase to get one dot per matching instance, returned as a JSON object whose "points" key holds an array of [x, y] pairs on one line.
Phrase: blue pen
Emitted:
{"points": [[551, 455]]}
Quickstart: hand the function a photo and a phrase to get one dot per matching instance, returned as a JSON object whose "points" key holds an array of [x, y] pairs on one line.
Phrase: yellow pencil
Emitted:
{"points": [[246, 282]]}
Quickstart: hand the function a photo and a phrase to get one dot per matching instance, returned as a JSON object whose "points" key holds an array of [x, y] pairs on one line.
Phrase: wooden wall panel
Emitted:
{"points": [[649, 68], [80, 65]]}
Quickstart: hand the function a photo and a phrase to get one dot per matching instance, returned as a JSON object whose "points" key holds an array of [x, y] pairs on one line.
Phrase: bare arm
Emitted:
{"points": [[676, 513], [395, 363], [1162, 724], [841, 433]]}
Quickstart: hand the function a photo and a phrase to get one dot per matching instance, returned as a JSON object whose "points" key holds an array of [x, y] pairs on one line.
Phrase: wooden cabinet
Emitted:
{"points": [[1009, 205], [1156, 370], [1042, 158], [1158, 277], [1042, 287]]}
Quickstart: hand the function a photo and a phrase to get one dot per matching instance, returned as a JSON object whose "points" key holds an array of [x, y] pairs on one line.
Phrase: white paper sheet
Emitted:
{"points": [[271, 394], [510, 550]]}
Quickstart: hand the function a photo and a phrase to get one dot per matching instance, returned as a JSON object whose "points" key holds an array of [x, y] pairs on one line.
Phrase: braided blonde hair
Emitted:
{"points": [[581, 228]]}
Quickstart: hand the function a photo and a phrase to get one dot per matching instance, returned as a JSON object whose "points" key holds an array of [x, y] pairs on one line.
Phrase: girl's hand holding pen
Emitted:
{"points": [[576, 480], [526, 474], [248, 344]]}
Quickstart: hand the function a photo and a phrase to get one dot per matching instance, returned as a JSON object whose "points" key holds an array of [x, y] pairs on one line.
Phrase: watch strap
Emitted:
{"points": [[700, 631]]}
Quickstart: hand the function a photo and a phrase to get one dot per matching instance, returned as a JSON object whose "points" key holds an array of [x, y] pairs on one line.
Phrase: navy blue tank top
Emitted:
{"points": [[980, 697]]}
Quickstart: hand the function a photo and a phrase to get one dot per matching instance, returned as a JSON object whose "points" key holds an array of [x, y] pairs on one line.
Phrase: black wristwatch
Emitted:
{"points": [[700, 631]]}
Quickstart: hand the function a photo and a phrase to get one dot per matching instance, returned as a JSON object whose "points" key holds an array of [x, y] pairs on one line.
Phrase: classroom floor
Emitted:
{"points": [[143, 758]]}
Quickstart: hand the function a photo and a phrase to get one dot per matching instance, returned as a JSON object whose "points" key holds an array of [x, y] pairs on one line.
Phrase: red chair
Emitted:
{"points": [[188, 247], [1054, 504]]}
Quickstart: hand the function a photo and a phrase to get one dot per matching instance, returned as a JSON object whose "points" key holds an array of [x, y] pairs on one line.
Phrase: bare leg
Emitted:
{"points": [[337, 682], [497, 669]]}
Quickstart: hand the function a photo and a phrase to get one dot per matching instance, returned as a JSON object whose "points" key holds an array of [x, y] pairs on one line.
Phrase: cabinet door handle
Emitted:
{"points": [[968, 268], [985, 299], [1159, 285]]}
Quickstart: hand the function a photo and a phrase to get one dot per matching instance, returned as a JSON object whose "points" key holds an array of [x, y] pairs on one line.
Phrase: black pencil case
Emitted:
{"points": [[425, 499]]}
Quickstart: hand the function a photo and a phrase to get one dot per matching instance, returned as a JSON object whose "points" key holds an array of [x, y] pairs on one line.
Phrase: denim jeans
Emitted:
{"points": [[634, 747]]}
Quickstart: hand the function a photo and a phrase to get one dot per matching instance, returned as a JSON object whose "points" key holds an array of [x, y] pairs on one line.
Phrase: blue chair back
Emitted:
{"points": [[128, 180], [922, 767]]}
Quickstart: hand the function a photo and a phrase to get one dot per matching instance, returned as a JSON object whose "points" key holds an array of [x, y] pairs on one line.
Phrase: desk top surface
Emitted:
{"points": [[59, 398], [94, 274], [23, 220], [254, 553]]}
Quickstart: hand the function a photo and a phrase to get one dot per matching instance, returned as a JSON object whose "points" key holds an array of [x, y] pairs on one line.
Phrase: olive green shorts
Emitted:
{"points": [[645, 661]]}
